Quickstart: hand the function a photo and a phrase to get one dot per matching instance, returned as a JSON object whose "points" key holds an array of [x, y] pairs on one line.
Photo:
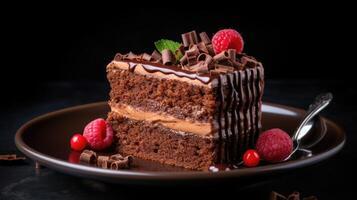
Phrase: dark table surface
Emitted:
{"points": [[331, 179]]}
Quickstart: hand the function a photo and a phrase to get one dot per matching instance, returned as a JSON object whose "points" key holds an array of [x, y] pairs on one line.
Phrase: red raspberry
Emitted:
{"points": [[274, 145], [227, 39], [99, 134]]}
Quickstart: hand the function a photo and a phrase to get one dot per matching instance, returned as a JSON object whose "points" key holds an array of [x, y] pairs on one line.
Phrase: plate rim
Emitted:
{"points": [[104, 174]]}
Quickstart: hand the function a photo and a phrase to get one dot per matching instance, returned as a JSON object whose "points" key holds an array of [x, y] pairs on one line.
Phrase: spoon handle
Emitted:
{"points": [[321, 101]]}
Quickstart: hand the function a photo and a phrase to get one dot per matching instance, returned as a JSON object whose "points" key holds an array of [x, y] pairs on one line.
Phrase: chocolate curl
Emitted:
{"points": [[210, 49], [103, 162], [205, 57], [200, 68], [222, 68], [193, 35], [202, 47], [155, 56], [191, 60], [184, 60], [249, 62], [118, 57], [232, 54], [187, 39], [88, 156], [192, 51], [131, 56], [121, 163], [116, 157], [146, 57], [294, 196], [221, 56], [204, 38], [168, 57]]}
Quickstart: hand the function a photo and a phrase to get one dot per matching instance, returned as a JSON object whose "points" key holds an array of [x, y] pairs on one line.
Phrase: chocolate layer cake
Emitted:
{"points": [[193, 112]]}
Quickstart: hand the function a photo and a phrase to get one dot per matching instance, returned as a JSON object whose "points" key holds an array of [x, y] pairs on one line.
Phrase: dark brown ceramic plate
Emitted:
{"points": [[45, 139]]}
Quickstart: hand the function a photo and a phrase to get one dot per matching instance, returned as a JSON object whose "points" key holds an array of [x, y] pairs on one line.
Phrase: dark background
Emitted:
{"points": [[55, 58]]}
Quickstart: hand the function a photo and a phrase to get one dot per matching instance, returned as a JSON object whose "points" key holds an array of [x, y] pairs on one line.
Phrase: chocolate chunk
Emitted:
{"points": [[168, 57], [118, 57], [204, 38], [88, 157], [146, 57], [276, 196], [294, 196], [202, 47], [155, 56]]}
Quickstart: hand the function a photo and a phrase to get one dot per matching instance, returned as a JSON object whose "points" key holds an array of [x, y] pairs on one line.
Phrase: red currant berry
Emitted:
{"points": [[251, 158], [78, 142]]}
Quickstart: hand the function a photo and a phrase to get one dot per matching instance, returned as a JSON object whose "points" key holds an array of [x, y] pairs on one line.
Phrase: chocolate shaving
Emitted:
{"points": [[222, 68], [187, 39], [200, 68], [204, 38], [168, 57], [249, 62], [120, 162], [146, 57], [192, 51], [118, 57], [88, 157], [193, 35], [103, 162], [202, 47], [294, 196], [184, 60], [232, 54], [155, 56], [221, 56], [191, 60], [210, 49], [205, 57]]}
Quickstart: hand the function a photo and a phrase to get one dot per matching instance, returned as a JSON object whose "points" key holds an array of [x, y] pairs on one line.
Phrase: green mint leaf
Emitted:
{"points": [[168, 44]]}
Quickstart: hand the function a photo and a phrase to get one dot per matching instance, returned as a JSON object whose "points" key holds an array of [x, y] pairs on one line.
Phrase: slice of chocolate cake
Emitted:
{"points": [[195, 112]]}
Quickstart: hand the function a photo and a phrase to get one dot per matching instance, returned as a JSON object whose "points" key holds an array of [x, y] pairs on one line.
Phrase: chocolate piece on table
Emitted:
{"points": [[102, 161], [204, 38], [88, 156], [116, 157], [11, 159], [121, 163], [168, 57]]}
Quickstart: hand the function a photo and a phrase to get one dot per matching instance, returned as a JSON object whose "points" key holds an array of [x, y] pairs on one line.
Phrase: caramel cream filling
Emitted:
{"points": [[199, 128], [139, 69]]}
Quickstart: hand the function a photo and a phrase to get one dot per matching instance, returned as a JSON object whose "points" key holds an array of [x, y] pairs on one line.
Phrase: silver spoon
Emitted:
{"points": [[321, 101]]}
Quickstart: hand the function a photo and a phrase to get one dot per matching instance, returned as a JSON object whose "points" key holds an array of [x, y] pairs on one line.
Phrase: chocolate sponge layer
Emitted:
{"points": [[154, 142], [179, 99]]}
